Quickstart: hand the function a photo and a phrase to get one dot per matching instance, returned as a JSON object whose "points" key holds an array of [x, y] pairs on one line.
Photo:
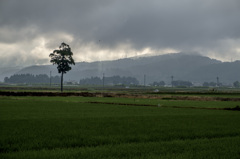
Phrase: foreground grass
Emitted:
{"points": [[69, 127], [200, 148]]}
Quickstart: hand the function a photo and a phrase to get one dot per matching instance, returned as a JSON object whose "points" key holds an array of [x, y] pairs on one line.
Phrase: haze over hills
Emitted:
{"points": [[194, 68]]}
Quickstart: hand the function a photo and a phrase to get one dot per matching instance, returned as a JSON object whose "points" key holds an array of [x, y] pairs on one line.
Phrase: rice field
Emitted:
{"points": [[97, 127]]}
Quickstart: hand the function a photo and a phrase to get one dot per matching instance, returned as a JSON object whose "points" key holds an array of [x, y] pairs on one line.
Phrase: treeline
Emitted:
{"points": [[31, 79], [182, 83], [236, 84], [211, 84], [161, 83], [178, 83], [114, 80]]}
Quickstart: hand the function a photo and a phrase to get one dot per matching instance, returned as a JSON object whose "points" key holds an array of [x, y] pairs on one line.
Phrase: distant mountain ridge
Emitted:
{"points": [[194, 68]]}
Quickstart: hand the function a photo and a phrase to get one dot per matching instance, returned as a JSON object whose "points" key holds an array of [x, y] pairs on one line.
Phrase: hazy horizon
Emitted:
{"points": [[132, 57]]}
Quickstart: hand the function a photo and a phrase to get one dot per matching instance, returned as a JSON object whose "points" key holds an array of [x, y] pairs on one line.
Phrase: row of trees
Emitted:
{"points": [[177, 83], [31, 79], [211, 84], [114, 80], [182, 83], [236, 84], [161, 83]]}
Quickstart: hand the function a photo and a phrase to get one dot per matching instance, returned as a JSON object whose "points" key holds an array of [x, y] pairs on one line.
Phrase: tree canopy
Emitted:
{"points": [[63, 58]]}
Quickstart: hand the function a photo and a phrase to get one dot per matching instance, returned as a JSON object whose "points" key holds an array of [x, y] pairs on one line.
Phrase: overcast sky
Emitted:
{"points": [[111, 29]]}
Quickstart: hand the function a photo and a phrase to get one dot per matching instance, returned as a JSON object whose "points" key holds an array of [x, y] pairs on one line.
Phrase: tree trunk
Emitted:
{"points": [[62, 82]]}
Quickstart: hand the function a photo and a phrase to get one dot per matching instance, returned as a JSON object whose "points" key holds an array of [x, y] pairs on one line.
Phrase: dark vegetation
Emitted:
{"points": [[161, 83], [31, 79], [114, 80], [236, 84], [181, 83]]}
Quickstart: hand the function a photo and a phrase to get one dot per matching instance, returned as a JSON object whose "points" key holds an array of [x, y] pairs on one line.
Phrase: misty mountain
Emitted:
{"points": [[227, 72], [194, 68]]}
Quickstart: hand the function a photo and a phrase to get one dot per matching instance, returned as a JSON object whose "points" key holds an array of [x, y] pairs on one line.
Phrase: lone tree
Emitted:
{"points": [[63, 58]]}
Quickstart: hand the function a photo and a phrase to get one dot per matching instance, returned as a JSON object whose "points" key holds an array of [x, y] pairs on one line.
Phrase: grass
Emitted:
{"points": [[137, 101], [70, 127], [220, 91]]}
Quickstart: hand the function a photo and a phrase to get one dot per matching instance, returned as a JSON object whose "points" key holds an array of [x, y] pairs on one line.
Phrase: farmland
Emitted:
{"points": [[147, 125]]}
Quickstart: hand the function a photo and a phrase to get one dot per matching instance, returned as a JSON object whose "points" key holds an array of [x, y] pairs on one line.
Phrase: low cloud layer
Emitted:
{"points": [[111, 29]]}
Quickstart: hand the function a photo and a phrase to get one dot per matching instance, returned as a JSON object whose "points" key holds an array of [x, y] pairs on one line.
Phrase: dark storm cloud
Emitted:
{"points": [[190, 25]]}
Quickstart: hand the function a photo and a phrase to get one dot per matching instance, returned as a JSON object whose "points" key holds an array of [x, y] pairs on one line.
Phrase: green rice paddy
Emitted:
{"points": [[97, 127]]}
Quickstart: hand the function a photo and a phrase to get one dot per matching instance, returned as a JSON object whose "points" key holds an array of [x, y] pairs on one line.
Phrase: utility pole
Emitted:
{"points": [[144, 80], [103, 79], [172, 80], [218, 81], [50, 78]]}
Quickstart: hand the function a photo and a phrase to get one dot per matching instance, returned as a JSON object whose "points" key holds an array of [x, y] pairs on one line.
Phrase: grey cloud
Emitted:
{"points": [[22, 60], [190, 25]]}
